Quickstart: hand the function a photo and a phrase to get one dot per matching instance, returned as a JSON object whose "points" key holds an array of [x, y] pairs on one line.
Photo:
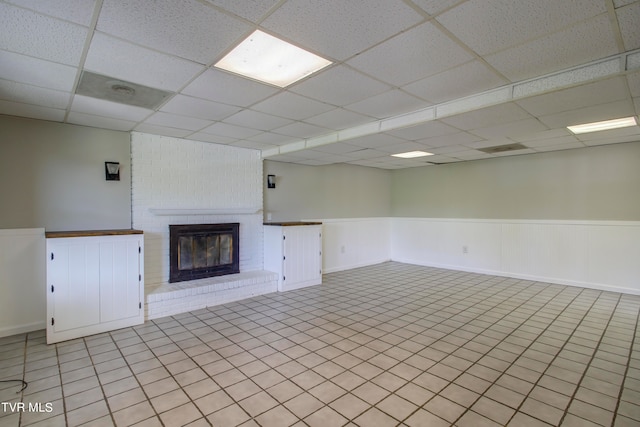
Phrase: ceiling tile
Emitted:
{"points": [[393, 166], [313, 162], [99, 121], [199, 108], [633, 80], [489, 143], [337, 148], [253, 145], [470, 155], [513, 23], [230, 131], [329, 158], [27, 94], [292, 106], [464, 80], [253, 10], [520, 127], [459, 138], [338, 119], [32, 111], [227, 88], [216, 139], [185, 28], [301, 130], [448, 149], [514, 152], [177, 121], [272, 138], [340, 86], [541, 143], [363, 163], [257, 120], [346, 27], [99, 107], [612, 110], [288, 157], [162, 130], [388, 104], [77, 11], [590, 94], [620, 3], [36, 72], [434, 7], [402, 56], [438, 159], [317, 155], [401, 147], [559, 147], [541, 136], [115, 58], [425, 130], [628, 19], [400, 60], [579, 44], [609, 141], [376, 141], [369, 154], [490, 116], [29, 33]]}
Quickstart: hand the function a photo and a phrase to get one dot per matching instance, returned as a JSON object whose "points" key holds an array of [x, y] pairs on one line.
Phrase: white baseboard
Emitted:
{"points": [[357, 265], [543, 279], [21, 329]]}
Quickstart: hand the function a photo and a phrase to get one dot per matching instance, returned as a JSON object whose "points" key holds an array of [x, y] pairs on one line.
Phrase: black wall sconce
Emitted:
{"points": [[112, 171], [271, 181]]}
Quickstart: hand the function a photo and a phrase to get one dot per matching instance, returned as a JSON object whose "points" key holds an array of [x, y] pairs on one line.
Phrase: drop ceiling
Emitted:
{"points": [[449, 77]]}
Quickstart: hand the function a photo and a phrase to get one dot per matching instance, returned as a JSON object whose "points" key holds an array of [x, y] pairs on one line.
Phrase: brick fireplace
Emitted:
{"points": [[199, 183]]}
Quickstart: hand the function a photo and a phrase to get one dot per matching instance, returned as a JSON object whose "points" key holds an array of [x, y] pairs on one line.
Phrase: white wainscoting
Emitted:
{"points": [[354, 242], [22, 283], [594, 254]]}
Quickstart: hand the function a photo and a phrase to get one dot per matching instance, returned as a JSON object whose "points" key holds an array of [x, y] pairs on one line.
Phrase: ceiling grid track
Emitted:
{"points": [[574, 76]]}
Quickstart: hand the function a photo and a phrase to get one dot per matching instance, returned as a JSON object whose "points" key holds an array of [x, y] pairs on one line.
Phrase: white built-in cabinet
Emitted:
{"points": [[94, 282], [294, 251]]}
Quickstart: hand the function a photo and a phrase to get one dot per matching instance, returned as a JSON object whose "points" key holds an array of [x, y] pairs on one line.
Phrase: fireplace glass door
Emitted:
{"points": [[203, 250]]}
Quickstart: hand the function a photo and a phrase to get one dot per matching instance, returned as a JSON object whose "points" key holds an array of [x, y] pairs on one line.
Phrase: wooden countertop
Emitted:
{"points": [[90, 233], [292, 223]]}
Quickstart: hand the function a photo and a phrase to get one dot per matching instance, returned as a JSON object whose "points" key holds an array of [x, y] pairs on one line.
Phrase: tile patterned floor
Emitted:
{"points": [[386, 345]]}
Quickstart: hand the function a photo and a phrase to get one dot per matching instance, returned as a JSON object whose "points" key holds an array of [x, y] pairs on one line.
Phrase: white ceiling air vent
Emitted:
{"points": [[123, 92], [502, 148]]}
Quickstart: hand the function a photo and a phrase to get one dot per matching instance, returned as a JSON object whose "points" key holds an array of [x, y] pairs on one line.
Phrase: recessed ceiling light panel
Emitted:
{"points": [[270, 60], [605, 125], [412, 154]]}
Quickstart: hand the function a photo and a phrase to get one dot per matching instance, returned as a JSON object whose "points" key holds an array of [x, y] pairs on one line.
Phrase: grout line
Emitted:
{"points": [[390, 312], [584, 316], [494, 347], [593, 355], [624, 380]]}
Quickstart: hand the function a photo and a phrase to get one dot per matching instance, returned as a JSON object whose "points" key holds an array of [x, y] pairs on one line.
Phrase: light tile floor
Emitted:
{"points": [[386, 345]]}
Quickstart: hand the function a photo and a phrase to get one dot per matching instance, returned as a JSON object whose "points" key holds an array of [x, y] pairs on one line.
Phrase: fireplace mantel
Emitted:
{"points": [[204, 211]]}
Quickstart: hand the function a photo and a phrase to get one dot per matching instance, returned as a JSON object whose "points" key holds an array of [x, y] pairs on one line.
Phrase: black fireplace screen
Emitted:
{"points": [[203, 250]]}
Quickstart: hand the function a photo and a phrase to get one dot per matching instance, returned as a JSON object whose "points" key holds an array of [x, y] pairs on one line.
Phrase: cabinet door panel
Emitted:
{"points": [[302, 254], [75, 277], [119, 284]]}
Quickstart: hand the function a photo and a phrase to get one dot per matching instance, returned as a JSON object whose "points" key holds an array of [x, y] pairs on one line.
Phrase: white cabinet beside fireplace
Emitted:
{"points": [[94, 282], [294, 251]]}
